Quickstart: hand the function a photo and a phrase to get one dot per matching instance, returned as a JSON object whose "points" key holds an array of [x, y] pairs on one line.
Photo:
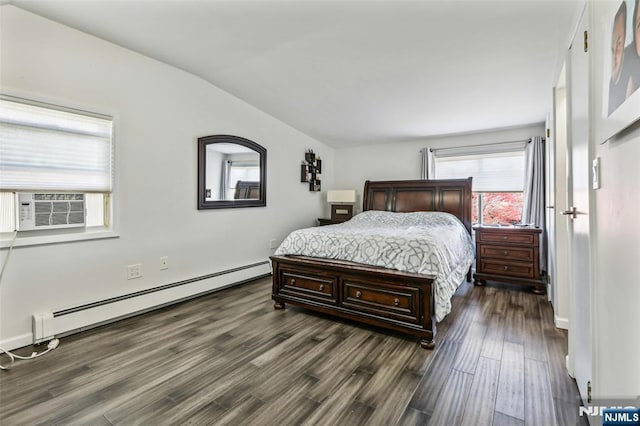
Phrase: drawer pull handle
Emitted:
{"points": [[505, 237], [293, 281], [321, 287], [506, 252], [358, 294], [506, 268], [396, 301]]}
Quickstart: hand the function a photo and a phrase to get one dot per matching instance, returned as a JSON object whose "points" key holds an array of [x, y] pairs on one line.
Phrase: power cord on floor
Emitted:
{"points": [[12, 357]]}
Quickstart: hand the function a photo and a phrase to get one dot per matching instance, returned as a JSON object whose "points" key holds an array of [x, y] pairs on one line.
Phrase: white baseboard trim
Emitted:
{"points": [[568, 367], [16, 341], [93, 315], [562, 323]]}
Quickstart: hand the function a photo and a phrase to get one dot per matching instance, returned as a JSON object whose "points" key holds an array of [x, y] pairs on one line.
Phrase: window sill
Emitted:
{"points": [[25, 240]]}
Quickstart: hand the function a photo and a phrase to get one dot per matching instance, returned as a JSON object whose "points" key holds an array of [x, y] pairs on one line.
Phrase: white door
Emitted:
{"points": [[578, 169]]}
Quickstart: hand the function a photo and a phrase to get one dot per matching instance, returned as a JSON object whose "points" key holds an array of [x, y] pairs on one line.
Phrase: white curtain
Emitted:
{"points": [[533, 208], [427, 169], [224, 187]]}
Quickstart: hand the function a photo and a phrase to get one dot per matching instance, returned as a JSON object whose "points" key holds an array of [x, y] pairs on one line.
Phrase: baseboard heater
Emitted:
{"points": [[68, 321]]}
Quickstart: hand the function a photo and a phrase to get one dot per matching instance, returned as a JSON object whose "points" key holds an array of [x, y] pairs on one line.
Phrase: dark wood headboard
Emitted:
{"points": [[247, 190], [443, 195]]}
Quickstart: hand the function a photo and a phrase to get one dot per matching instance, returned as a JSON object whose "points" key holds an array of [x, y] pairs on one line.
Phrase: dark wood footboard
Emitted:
{"points": [[376, 296]]}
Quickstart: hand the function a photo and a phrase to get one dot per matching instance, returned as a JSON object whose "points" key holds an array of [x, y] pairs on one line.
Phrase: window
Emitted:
{"points": [[45, 148], [498, 179], [498, 208]]}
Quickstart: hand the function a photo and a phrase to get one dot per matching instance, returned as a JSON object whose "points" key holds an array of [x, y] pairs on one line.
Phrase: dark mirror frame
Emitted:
{"points": [[203, 142]]}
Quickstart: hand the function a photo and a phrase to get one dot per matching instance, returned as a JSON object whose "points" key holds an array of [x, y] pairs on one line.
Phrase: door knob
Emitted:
{"points": [[573, 213]]}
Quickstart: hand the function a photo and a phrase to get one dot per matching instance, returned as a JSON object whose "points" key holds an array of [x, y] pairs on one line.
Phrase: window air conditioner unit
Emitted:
{"points": [[49, 210]]}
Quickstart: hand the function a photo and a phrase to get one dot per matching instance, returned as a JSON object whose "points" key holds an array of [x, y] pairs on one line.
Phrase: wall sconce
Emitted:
{"points": [[341, 203], [310, 170]]}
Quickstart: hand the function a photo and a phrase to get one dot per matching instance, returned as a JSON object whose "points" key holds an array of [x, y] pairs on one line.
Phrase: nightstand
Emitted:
{"points": [[508, 254], [325, 221]]}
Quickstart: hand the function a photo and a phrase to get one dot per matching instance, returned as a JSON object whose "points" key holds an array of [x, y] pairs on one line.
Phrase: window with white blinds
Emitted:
{"points": [[495, 168], [49, 148]]}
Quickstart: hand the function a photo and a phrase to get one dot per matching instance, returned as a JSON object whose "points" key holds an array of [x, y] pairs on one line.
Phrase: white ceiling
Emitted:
{"points": [[352, 72]]}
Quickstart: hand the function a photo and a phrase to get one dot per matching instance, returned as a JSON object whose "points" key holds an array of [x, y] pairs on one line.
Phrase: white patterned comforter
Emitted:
{"points": [[430, 243]]}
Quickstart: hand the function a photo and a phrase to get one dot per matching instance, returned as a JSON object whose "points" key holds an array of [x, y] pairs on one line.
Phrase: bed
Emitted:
{"points": [[409, 298]]}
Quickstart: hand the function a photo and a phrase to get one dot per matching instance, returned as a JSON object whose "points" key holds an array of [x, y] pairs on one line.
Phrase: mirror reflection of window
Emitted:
{"points": [[232, 172]]}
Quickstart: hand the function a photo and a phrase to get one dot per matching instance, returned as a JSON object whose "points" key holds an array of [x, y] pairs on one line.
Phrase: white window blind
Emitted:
{"points": [[492, 170], [43, 147]]}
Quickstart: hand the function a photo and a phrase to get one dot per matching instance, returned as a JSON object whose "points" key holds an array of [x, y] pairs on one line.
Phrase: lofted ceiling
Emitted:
{"points": [[352, 72]]}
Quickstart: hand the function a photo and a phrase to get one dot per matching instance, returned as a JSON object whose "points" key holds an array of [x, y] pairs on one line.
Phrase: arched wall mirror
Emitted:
{"points": [[232, 172]]}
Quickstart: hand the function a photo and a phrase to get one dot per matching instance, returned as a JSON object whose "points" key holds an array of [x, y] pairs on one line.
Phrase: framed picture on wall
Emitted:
{"points": [[616, 65]]}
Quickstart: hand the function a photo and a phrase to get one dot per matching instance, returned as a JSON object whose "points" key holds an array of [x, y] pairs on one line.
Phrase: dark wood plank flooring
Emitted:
{"points": [[230, 358]]}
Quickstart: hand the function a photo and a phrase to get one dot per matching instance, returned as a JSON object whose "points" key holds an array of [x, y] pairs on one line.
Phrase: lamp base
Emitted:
{"points": [[341, 212]]}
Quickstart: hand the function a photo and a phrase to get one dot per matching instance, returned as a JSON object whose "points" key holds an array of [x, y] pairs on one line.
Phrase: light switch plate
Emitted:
{"points": [[595, 173]]}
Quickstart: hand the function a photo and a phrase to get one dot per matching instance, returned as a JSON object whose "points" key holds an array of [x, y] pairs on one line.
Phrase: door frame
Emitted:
{"points": [[556, 203], [586, 19]]}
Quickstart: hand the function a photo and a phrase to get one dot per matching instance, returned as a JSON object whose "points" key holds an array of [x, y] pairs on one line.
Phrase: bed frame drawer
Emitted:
{"points": [[389, 301], [319, 287]]}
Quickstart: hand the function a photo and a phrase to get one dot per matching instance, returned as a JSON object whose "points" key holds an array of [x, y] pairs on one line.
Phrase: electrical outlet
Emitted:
{"points": [[134, 271], [164, 263], [273, 244]]}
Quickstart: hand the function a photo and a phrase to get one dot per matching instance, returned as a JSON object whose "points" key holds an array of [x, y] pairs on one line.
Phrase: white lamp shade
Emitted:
{"points": [[341, 196]]}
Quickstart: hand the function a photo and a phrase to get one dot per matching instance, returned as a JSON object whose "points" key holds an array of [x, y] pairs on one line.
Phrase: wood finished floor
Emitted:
{"points": [[230, 358]]}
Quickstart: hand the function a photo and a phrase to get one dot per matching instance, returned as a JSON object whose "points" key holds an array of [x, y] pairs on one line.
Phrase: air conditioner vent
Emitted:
{"points": [[50, 210]]}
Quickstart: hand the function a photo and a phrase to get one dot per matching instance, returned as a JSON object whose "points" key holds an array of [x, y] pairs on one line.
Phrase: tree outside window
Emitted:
{"points": [[498, 208]]}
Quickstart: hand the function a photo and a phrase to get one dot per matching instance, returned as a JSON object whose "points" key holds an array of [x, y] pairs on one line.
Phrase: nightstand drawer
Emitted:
{"points": [[395, 302], [504, 237], [311, 286], [507, 252], [515, 269]]}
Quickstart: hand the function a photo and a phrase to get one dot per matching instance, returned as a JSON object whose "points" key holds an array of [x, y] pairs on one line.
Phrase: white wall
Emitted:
{"points": [[353, 166], [160, 111]]}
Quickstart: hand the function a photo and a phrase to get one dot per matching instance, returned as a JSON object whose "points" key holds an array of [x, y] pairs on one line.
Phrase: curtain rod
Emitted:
{"points": [[474, 146]]}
